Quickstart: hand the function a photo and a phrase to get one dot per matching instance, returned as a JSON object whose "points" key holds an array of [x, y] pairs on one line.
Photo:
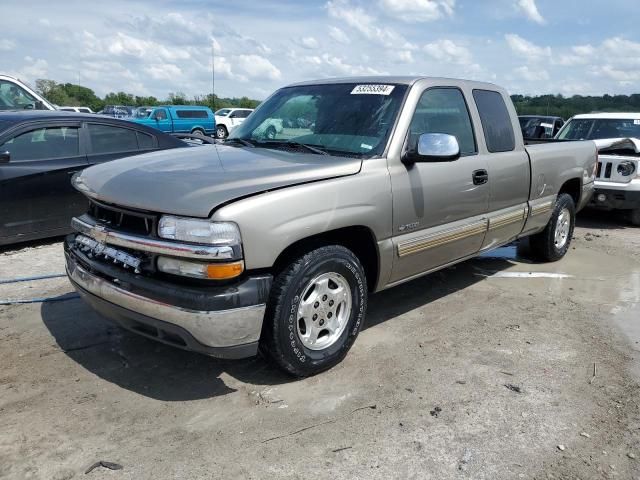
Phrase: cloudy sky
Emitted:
{"points": [[156, 47]]}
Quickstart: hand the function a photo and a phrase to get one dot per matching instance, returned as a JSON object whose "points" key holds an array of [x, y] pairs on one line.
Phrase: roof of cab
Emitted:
{"points": [[399, 80]]}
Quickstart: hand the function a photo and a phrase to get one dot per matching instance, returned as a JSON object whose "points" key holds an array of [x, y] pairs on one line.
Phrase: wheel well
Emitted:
{"points": [[573, 188], [360, 240], [197, 129]]}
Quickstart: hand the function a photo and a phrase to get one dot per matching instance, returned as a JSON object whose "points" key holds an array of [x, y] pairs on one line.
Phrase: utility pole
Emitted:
{"points": [[213, 75]]}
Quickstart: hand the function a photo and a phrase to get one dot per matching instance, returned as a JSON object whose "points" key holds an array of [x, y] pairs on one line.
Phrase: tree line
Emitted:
{"points": [[555, 105], [69, 94]]}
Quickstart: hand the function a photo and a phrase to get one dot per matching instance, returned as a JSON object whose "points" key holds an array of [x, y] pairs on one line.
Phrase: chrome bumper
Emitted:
{"points": [[213, 329]]}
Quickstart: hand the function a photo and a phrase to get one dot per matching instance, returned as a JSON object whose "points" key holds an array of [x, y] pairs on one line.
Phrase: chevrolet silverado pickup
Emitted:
{"points": [[272, 244]]}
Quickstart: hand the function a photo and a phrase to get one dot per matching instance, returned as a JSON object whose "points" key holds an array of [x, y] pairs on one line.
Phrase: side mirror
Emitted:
{"points": [[433, 147], [5, 157]]}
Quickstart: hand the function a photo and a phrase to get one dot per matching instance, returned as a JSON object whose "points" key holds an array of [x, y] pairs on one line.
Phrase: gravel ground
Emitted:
{"points": [[484, 371]]}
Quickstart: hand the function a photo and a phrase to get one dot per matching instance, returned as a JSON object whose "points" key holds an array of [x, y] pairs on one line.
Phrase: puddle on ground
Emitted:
{"points": [[508, 252]]}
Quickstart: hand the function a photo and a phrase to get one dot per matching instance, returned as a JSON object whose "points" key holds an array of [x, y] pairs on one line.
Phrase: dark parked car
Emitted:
{"points": [[41, 150], [539, 126]]}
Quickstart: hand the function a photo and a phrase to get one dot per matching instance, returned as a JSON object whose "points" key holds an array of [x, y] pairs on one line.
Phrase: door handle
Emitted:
{"points": [[480, 177]]}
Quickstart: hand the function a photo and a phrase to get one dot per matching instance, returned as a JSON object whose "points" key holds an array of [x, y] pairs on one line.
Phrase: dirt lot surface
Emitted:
{"points": [[483, 371]]}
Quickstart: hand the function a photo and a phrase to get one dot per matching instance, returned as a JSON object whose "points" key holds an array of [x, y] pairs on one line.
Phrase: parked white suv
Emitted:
{"points": [[229, 118], [617, 136], [16, 95]]}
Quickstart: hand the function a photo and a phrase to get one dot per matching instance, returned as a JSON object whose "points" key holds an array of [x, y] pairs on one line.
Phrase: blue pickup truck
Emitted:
{"points": [[180, 119]]}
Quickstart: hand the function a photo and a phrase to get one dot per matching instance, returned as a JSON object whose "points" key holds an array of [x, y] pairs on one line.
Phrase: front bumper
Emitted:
{"points": [[615, 199], [223, 322]]}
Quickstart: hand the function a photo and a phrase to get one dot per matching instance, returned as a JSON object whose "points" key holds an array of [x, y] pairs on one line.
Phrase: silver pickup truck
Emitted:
{"points": [[274, 242]]}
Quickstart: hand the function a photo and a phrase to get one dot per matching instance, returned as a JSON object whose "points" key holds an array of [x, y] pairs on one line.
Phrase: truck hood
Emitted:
{"points": [[194, 181], [618, 144]]}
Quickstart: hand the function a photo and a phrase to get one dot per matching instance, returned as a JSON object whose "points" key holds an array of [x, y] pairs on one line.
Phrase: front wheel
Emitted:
{"points": [[553, 242], [315, 311], [221, 132]]}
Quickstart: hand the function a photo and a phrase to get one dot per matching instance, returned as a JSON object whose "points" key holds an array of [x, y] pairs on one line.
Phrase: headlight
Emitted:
{"points": [[208, 271], [198, 231], [626, 168]]}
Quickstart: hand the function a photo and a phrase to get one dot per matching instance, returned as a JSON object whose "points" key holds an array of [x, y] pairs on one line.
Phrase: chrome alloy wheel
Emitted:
{"points": [[563, 226], [324, 311]]}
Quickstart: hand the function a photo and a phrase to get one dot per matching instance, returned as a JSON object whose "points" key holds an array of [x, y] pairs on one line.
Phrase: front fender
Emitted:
{"points": [[270, 222]]}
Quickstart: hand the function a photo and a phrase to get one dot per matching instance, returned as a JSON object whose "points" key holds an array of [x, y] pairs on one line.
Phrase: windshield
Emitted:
{"points": [[594, 129], [536, 127], [347, 118], [14, 97]]}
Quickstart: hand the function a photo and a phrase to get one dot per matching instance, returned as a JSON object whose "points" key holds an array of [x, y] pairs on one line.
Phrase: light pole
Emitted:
{"points": [[213, 75]]}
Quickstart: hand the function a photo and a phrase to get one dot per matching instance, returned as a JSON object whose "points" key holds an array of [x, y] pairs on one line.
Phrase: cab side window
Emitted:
{"points": [[444, 110], [43, 144], [496, 121]]}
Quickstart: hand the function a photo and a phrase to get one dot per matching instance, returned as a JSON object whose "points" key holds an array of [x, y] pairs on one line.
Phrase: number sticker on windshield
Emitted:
{"points": [[372, 89], [635, 122]]}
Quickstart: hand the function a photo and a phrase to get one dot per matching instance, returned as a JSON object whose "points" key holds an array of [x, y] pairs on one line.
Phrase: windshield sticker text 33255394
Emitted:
{"points": [[372, 89]]}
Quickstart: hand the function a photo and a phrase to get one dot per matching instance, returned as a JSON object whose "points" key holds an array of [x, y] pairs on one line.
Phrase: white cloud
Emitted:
{"points": [[327, 65], [418, 10], [447, 51], [583, 50], [526, 48], [361, 21], [405, 56], [6, 45], [530, 10], [309, 42], [164, 71], [257, 67], [338, 35], [532, 75], [34, 68]]}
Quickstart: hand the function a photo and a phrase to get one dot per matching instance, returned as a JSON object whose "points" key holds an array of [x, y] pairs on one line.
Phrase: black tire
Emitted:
{"points": [[280, 341], [270, 133], [198, 131], [221, 132], [543, 245], [635, 217]]}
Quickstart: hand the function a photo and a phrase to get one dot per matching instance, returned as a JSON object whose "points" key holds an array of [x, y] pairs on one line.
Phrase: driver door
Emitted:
{"points": [[439, 206]]}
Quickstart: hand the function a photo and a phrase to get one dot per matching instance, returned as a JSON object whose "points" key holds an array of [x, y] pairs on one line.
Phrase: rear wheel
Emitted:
{"points": [[198, 131], [635, 217], [315, 311], [553, 242], [221, 132]]}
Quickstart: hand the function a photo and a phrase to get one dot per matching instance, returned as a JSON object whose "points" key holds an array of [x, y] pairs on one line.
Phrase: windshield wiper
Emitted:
{"points": [[242, 141], [293, 143]]}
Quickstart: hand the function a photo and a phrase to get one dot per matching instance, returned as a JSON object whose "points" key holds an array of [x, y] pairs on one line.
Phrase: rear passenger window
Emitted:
{"points": [[109, 139], [444, 110], [43, 144], [192, 114], [496, 122], [144, 141]]}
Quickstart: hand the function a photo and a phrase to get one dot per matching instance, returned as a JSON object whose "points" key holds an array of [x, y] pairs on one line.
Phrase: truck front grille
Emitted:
{"points": [[607, 166], [123, 219]]}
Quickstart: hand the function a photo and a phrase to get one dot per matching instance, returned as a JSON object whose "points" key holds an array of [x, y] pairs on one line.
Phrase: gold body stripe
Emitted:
{"points": [[435, 240], [507, 219], [541, 208]]}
